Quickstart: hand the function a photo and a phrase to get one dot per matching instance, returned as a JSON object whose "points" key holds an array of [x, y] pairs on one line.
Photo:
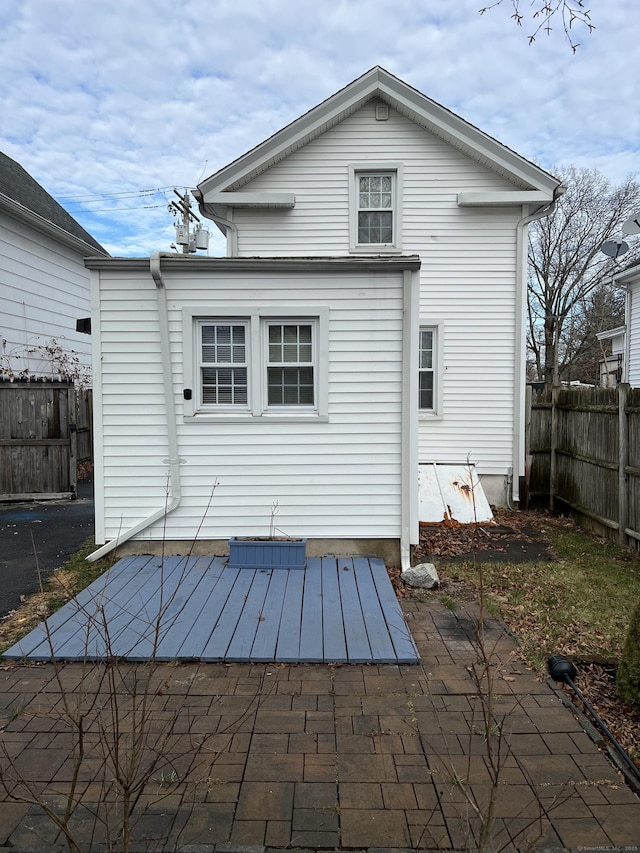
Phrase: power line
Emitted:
{"points": [[118, 209], [122, 194]]}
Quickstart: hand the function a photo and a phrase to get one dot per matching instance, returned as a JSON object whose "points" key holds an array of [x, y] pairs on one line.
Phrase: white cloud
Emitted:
{"points": [[107, 97]]}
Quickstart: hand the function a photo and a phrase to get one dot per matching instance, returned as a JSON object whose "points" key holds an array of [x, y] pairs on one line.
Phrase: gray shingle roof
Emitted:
{"points": [[18, 185]]}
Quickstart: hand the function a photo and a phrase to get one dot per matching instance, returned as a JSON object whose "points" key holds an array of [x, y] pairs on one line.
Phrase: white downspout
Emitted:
{"points": [[520, 375], [409, 427], [627, 326], [175, 492]]}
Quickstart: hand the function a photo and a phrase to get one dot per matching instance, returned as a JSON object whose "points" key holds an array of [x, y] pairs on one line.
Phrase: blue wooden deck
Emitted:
{"points": [[197, 608]]}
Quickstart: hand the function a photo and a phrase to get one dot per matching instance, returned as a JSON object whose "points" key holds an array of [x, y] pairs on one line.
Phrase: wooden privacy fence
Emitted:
{"points": [[583, 453], [45, 430]]}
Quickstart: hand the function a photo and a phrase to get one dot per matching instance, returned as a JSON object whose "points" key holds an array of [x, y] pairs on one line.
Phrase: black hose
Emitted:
{"points": [[564, 671]]}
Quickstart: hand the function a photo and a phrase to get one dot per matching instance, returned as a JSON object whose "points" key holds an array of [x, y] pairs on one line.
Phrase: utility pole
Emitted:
{"points": [[190, 241]]}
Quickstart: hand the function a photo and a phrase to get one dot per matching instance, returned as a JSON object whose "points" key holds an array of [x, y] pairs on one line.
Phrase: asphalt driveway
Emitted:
{"points": [[40, 533]]}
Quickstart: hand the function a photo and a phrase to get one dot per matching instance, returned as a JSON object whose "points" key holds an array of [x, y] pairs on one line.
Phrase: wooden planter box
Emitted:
{"points": [[247, 553]]}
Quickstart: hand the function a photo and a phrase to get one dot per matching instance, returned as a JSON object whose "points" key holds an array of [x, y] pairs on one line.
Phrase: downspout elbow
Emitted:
{"points": [[226, 225]]}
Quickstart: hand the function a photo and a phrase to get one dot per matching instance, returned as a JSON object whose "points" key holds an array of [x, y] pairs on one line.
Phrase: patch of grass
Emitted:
{"points": [[66, 582], [579, 605]]}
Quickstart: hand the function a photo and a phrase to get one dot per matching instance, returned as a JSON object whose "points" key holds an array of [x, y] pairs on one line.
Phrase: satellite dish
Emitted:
{"points": [[614, 248], [632, 224]]}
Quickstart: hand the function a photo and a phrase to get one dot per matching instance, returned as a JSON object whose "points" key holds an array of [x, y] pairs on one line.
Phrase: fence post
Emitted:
{"points": [[553, 463], [623, 461], [73, 439]]}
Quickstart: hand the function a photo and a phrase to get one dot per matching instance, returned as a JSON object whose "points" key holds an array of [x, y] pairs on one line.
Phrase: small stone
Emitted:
{"points": [[423, 576]]}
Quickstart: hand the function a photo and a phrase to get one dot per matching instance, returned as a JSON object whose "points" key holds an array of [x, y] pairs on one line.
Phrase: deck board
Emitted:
{"points": [[337, 610]]}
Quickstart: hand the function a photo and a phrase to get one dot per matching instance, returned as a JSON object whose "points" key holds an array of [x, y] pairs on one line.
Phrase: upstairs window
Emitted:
{"points": [[375, 214], [375, 209]]}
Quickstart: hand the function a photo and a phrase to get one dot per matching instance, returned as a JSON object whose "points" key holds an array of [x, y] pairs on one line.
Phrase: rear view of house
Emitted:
{"points": [[368, 320]]}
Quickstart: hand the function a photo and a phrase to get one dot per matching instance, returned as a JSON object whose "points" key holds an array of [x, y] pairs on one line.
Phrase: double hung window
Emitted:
{"points": [[375, 210], [223, 365], [290, 380]]}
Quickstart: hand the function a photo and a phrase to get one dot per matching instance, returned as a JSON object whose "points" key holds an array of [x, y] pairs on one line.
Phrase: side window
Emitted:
{"points": [[426, 369]]}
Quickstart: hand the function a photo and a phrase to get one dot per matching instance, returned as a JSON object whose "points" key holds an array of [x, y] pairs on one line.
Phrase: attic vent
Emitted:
{"points": [[382, 112]]}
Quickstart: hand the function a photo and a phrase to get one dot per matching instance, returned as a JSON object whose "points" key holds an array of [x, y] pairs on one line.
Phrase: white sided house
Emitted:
{"points": [[44, 284], [369, 319]]}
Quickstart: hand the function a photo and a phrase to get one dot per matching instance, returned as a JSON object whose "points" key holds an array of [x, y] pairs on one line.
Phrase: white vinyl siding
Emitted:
{"points": [[44, 289], [468, 270], [633, 373], [337, 477]]}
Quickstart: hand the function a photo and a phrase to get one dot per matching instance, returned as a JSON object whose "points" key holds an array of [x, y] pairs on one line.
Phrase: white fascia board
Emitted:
{"points": [[503, 199], [410, 102], [240, 199]]}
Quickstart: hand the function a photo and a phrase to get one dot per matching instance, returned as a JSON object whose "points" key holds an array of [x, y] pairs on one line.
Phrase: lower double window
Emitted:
{"points": [[255, 365]]}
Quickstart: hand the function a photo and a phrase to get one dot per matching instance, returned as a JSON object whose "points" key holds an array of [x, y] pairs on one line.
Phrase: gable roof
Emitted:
{"points": [[380, 84], [22, 197]]}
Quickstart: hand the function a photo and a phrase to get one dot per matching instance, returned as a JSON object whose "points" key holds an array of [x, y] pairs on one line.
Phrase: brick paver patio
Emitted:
{"points": [[317, 756]]}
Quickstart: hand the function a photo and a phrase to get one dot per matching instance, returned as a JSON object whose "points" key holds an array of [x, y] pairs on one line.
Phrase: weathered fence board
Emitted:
{"points": [[584, 454], [39, 439]]}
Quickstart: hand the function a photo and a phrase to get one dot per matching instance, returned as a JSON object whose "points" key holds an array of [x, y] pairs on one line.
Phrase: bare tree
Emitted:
{"points": [[540, 17], [567, 268], [599, 311]]}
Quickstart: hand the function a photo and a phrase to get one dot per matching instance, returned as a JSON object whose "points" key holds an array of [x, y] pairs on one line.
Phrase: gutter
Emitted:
{"points": [[174, 496], [519, 378]]}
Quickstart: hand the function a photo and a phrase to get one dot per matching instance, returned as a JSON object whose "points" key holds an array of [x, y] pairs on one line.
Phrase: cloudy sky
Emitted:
{"points": [[109, 104]]}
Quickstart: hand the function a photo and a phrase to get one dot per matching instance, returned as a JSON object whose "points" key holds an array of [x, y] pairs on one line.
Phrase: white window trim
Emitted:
{"points": [[256, 319], [394, 169], [437, 327]]}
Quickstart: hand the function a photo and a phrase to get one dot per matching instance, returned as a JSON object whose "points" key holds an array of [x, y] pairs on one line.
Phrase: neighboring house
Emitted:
{"points": [[612, 343], [44, 285], [630, 278], [369, 317], [622, 363]]}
